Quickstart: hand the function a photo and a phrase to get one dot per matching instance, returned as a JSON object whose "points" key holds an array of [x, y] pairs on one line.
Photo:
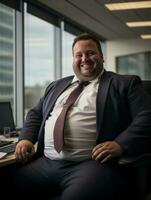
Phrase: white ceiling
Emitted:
{"points": [[93, 15]]}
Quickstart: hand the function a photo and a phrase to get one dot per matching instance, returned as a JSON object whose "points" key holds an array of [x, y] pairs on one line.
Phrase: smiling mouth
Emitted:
{"points": [[86, 65]]}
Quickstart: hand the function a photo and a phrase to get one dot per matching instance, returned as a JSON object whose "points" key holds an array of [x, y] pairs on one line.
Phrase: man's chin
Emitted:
{"points": [[87, 73], [86, 77]]}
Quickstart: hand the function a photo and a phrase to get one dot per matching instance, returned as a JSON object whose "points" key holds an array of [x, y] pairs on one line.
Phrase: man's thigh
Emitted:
{"points": [[92, 180], [36, 177]]}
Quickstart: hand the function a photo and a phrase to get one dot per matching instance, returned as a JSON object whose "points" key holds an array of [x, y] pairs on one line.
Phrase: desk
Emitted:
{"points": [[10, 159]]}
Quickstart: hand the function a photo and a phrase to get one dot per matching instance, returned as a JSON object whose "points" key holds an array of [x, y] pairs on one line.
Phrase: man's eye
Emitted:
{"points": [[91, 53], [78, 55]]}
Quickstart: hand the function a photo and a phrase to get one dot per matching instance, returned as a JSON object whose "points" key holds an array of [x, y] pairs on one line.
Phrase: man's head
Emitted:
{"points": [[87, 57]]}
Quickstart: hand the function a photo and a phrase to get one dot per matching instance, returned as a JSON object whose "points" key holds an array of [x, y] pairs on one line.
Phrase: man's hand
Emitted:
{"points": [[105, 151], [24, 151]]}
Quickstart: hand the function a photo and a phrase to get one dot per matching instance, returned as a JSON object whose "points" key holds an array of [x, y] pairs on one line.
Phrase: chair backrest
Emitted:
{"points": [[147, 85]]}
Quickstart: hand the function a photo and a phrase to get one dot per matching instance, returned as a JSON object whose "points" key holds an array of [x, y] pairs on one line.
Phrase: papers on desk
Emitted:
{"points": [[8, 148], [2, 155]]}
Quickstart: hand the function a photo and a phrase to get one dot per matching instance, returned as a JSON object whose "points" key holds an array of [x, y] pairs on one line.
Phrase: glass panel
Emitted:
{"points": [[7, 54], [67, 53], [136, 64], [39, 58]]}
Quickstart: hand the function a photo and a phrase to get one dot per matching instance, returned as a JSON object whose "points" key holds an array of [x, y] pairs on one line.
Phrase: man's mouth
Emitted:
{"points": [[87, 66]]}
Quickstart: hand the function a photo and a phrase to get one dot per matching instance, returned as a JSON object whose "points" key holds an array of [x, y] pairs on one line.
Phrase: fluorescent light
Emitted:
{"points": [[129, 5], [146, 36], [138, 24]]}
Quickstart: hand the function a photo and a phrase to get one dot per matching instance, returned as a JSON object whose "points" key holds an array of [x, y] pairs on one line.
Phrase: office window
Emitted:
{"points": [[136, 64], [39, 58], [67, 40], [7, 54]]}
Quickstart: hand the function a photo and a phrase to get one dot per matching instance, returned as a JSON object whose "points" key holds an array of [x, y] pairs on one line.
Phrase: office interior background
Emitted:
{"points": [[36, 38]]}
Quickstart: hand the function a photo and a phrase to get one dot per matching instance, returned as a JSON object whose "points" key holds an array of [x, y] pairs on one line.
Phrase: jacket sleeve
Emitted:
{"points": [[136, 138], [34, 119]]}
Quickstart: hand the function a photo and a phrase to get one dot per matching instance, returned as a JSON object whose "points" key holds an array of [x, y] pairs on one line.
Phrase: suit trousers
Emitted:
{"points": [[72, 180]]}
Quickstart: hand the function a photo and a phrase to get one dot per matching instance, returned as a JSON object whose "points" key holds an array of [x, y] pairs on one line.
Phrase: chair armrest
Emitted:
{"points": [[143, 160]]}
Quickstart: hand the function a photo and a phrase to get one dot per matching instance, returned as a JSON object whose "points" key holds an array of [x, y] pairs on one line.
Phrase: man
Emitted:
{"points": [[110, 117]]}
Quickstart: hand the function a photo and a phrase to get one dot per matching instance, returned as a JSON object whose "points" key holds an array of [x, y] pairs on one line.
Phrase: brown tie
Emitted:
{"points": [[59, 125]]}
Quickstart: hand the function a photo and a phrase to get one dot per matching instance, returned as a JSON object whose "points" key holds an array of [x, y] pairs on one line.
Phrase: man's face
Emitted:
{"points": [[87, 60]]}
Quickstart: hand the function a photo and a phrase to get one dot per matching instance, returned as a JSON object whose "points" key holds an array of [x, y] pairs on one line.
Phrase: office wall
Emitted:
{"points": [[123, 47]]}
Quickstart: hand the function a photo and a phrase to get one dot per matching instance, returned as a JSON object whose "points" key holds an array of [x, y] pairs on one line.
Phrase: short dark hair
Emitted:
{"points": [[86, 36]]}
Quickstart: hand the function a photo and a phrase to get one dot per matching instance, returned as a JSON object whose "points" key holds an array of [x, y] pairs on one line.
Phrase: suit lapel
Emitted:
{"points": [[59, 88], [101, 98]]}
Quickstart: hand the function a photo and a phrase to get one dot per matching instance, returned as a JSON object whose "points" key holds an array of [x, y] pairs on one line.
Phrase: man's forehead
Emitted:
{"points": [[89, 41], [85, 45]]}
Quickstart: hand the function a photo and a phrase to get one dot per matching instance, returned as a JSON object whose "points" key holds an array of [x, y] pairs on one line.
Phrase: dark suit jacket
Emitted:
{"points": [[123, 112]]}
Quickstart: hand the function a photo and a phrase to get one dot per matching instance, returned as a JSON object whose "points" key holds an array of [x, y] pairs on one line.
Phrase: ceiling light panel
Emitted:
{"points": [[129, 5], [146, 36], [139, 24]]}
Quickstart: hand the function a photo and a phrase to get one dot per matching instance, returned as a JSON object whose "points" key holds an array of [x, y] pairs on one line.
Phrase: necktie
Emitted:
{"points": [[59, 125]]}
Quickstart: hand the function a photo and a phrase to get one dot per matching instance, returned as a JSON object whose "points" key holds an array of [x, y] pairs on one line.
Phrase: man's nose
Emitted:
{"points": [[84, 57]]}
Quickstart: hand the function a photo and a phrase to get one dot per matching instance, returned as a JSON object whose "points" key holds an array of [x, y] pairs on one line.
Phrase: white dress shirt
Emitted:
{"points": [[80, 125]]}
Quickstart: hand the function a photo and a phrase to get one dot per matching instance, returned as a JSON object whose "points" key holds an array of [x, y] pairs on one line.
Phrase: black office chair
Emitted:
{"points": [[141, 165]]}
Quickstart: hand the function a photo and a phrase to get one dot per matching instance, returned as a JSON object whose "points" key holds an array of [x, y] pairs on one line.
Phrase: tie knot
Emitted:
{"points": [[84, 83]]}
